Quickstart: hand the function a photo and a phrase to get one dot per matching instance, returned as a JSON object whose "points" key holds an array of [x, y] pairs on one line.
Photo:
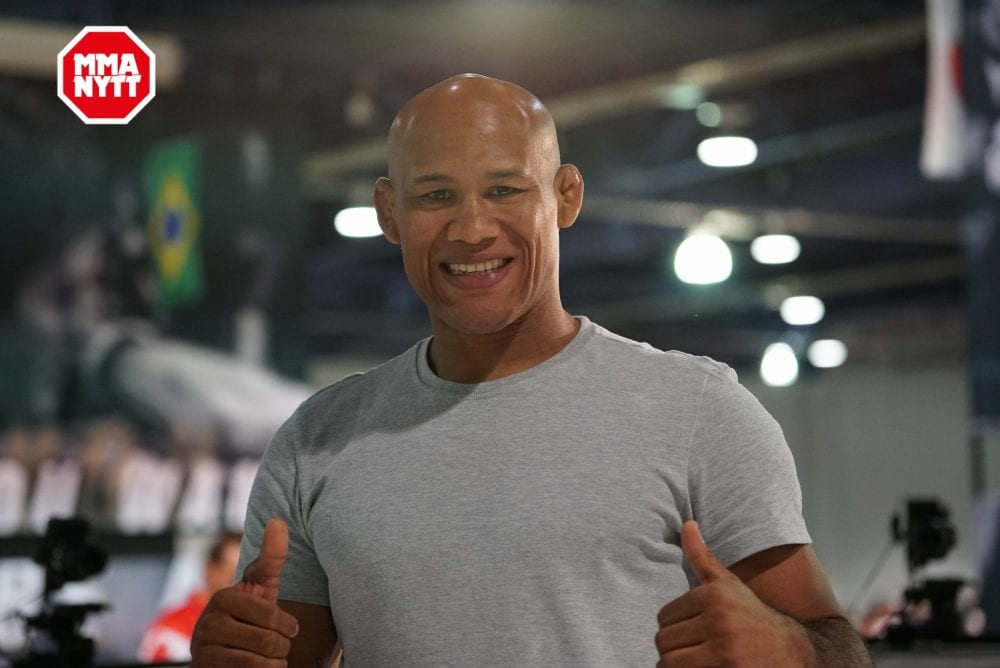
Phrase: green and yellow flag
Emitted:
{"points": [[173, 198]]}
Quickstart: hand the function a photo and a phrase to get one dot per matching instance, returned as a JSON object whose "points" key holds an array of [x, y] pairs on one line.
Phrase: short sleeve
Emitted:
{"points": [[276, 493], [742, 482]]}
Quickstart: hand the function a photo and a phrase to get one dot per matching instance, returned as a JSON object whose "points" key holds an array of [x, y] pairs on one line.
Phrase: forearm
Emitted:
{"points": [[834, 642]]}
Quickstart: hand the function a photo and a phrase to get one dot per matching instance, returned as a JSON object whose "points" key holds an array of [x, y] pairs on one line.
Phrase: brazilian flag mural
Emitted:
{"points": [[173, 197]]}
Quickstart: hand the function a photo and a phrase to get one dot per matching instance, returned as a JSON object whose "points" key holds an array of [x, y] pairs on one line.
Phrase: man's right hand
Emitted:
{"points": [[242, 625]]}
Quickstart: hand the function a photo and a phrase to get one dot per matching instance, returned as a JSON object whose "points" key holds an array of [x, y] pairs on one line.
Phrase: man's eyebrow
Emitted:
{"points": [[431, 178], [506, 174], [444, 178]]}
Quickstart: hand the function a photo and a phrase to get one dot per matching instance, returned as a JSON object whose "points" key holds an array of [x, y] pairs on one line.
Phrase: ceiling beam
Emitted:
{"points": [[740, 70], [744, 223], [753, 67], [743, 296], [784, 150]]}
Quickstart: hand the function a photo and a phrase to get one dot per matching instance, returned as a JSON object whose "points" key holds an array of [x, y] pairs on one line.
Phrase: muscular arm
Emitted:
{"points": [[790, 580], [774, 607], [313, 646]]}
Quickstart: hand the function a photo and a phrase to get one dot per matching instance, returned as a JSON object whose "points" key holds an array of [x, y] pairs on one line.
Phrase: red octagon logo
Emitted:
{"points": [[106, 75]]}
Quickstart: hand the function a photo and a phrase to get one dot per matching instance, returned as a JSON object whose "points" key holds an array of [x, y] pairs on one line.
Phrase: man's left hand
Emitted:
{"points": [[721, 622]]}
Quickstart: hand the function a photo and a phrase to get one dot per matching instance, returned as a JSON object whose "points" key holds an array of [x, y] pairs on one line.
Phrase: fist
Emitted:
{"points": [[721, 622], [242, 625]]}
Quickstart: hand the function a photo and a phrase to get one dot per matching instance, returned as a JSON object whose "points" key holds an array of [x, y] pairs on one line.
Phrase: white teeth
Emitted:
{"points": [[477, 268]]}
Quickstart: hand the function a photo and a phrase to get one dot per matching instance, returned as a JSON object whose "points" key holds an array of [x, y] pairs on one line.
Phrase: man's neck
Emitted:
{"points": [[476, 358]]}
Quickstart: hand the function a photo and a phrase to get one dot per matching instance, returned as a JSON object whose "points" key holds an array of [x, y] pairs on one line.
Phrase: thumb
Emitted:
{"points": [[261, 577], [706, 566]]}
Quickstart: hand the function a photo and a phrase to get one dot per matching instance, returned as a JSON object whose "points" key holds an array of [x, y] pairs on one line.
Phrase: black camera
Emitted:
{"points": [[67, 555], [927, 533], [934, 608]]}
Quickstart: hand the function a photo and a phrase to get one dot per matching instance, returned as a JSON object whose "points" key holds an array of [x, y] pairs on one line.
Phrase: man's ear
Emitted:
{"points": [[384, 198], [569, 191]]}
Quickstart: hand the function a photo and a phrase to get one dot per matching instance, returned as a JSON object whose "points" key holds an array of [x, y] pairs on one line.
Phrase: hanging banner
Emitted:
{"points": [[173, 199], [943, 153]]}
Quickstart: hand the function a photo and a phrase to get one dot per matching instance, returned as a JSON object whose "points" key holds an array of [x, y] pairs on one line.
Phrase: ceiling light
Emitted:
{"points": [[802, 310], [702, 259], [681, 96], [727, 151], [779, 366], [708, 114], [357, 221], [827, 353], [775, 248]]}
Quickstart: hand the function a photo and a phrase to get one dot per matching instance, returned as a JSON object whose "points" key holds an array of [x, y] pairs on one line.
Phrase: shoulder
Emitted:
{"points": [[636, 357], [331, 415], [358, 387]]}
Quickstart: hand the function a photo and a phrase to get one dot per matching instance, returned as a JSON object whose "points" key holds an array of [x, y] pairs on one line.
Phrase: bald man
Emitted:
{"points": [[524, 487]]}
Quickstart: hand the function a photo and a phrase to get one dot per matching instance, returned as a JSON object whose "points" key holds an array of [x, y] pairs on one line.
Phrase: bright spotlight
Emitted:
{"points": [[779, 366], [827, 353], [775, 248], [702, 259], [727, 151], [357, 221], [802, 310]]}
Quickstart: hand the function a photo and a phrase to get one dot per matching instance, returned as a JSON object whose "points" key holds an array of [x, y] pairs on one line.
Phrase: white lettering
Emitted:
{"points": [[83, 86], [132, 82], [107, 62], [127, 65], [102, 85], [109, 73], [83, 62]]}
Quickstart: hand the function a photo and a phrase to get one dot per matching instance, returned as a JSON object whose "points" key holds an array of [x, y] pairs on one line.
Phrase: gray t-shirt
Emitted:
{"points": [[532, 520]]}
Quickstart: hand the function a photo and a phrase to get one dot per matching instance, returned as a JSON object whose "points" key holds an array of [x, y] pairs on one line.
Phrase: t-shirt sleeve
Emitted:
{"points": [[276, 493], [742, 483]]}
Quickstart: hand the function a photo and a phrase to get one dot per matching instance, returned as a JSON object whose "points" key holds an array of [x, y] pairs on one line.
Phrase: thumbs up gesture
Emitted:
{"points": [[721, 622], [242, 625]]}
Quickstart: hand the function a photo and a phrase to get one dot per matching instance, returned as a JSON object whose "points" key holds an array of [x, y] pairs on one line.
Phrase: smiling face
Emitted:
{"points": [[476, 198]]}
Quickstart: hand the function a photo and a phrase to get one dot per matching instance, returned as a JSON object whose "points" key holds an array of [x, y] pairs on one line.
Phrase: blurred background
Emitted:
{"points": [[804, 190]]}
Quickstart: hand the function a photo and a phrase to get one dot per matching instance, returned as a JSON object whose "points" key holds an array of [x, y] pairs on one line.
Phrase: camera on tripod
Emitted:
{"points": [[934, 608], [68, 555]]}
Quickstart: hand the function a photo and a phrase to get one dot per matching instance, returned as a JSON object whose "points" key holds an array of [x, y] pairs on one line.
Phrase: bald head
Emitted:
{"points": [[474, 177], [472, 105]]}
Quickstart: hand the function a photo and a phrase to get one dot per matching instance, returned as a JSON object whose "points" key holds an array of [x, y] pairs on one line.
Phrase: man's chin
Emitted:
{"points": [[476, 324]]}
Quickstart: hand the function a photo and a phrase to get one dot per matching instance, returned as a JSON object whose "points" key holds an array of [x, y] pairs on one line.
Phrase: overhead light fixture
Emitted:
{"points": [[775, 248], [727, 151], [702, 259], [802, 310], [827, 353], [681, 96], [779, 367], [708, 114], [357, 222]]}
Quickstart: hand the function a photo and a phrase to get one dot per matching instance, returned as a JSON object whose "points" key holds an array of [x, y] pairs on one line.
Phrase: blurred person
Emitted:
{"points": [[524, 487], [168, 637]]}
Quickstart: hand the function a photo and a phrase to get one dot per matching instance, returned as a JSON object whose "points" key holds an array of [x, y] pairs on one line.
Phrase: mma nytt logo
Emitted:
{"points": [[106, 75]]}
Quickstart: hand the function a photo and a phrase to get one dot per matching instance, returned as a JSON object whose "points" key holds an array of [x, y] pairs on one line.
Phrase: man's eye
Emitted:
{"points": [[437, 195], [503, 191]]}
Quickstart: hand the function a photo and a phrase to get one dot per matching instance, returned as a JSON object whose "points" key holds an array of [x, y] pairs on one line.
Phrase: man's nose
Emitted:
{"points": [[473, 222]]}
